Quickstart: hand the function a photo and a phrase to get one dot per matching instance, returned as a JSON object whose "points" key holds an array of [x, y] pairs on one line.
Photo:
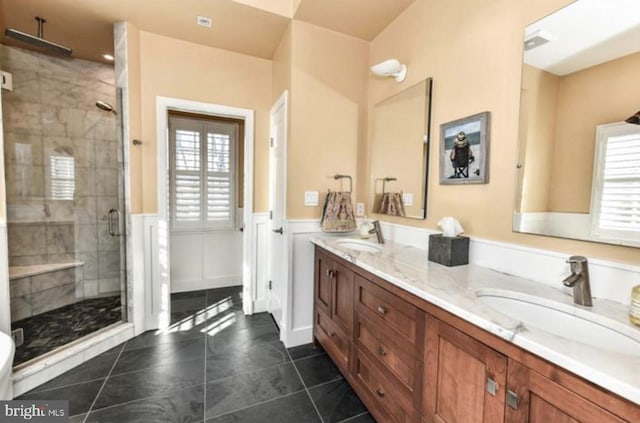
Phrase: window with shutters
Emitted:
{"points": [[62, 177], [202, 158], [615, 199]]}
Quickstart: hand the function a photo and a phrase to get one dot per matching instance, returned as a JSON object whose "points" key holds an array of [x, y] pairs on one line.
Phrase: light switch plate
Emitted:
{"points": [[7, 81], [407, 199], [359, 209], [311, 198]]}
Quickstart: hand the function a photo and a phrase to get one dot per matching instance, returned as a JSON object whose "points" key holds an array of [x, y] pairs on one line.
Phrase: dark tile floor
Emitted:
{"points": [[52, 329], [213, 365]]}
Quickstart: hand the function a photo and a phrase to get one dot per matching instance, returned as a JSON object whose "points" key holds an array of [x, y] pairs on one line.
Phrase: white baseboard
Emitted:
{"points": [[201, 284], [298, 336]]}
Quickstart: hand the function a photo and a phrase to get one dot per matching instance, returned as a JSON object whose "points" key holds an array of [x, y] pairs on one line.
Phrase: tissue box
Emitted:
{"points": [[449, 251]]}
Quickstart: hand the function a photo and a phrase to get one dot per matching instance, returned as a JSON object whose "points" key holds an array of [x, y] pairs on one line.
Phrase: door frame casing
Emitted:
{"points": [[162, 284]]}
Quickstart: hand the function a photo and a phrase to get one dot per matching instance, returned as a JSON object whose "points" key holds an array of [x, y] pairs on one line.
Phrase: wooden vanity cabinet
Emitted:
{"points": [[333, 314], [412, 362], [534, 398], [464, 380]]}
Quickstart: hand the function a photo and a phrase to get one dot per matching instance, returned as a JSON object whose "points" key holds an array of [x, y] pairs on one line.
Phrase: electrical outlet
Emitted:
{"points": [[407, 199], [359, 209], [311, 198]]}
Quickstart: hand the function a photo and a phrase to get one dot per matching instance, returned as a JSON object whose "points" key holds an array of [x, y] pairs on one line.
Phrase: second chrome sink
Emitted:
{"points": [[359, 245], [564, 320]]}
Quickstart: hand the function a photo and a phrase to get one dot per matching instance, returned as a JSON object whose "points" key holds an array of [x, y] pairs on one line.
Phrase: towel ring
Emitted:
{"points": [[338, 176], [385, 180]]}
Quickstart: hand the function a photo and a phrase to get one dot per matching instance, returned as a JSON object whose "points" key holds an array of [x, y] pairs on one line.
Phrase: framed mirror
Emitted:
{"points": [[400, 152], [578, 170]]}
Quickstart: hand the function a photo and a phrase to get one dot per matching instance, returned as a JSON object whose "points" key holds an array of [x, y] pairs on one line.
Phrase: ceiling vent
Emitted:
{"points": [[204, 21]]}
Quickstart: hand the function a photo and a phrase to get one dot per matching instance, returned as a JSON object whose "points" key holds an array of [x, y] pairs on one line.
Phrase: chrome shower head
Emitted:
{"points": [[103, 105], [38, 40]]}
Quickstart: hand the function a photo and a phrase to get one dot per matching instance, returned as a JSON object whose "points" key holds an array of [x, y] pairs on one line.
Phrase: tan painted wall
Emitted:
{"points": [[282, 67], [179, 69], [601, 94], [135, 124], [538, 111], [475, 69], [328, 113]]}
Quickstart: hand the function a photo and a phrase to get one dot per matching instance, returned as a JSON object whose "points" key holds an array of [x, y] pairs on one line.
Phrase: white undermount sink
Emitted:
{"points": [[564, 320], [359, 245]]}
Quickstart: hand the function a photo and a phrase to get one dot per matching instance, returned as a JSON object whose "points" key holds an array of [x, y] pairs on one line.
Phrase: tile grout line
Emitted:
{"points": [[364, 413], [257, 404], [305, 386], [104, 383]]}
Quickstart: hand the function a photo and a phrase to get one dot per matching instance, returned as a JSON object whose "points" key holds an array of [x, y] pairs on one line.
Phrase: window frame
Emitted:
{"points": [[603, 134], [204, 127]]}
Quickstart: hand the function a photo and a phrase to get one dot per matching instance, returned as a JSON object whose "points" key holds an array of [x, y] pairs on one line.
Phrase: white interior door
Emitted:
{"points": [[277, 206]]}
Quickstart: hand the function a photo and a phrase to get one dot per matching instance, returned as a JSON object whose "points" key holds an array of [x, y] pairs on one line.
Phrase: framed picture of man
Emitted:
{"points": [[464, 150]]}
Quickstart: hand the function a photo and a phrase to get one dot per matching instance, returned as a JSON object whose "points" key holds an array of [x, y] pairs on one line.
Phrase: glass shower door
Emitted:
{"points": [[64, 179]]}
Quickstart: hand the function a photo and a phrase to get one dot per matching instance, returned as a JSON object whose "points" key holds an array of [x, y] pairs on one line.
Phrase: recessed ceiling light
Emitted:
{"points": [[108, 57], [204, 21]]}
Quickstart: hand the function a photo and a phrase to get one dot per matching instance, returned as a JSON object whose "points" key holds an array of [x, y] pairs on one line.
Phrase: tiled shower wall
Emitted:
{"points": [[51, 112]]}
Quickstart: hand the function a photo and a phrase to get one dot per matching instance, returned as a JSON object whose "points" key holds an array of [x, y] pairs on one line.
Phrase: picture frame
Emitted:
{"points": [[464, 150]]}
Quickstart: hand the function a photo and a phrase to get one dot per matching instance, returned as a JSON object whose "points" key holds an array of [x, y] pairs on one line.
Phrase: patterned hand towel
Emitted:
{"points": [[392, 204], [338, 215]]}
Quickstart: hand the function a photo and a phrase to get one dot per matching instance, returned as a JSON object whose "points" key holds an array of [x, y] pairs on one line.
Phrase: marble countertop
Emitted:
{"points": [[454, 290]]}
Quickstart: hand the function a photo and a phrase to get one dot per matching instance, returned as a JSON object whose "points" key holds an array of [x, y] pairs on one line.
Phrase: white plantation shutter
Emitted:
{"points": [[616, 188], [203, 174], [187, 184], [219, 178], [62, 177]]}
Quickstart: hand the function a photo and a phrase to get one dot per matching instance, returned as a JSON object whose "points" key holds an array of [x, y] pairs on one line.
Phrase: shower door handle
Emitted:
{"points": [[114, 229]]}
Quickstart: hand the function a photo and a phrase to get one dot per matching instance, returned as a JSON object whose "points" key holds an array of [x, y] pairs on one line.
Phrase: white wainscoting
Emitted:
{"points": [[205, 259], [260, 257]]}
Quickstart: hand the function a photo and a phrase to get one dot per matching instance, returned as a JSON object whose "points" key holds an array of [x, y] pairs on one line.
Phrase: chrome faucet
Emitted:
{"points": [[579, 280], [378, 231]]}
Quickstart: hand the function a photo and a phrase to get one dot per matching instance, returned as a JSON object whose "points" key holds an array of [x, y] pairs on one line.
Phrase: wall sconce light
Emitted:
{"points": [[391, 67], [635, 119]]}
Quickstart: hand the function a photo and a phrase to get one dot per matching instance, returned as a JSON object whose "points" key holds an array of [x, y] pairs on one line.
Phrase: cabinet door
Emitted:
{"points": [[323, 281], [342, 304], [464, 380], [533, 398]]}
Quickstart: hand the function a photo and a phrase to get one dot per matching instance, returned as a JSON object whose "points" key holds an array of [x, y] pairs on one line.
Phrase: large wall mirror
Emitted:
{"points": [[400, 152], [578, 170]]}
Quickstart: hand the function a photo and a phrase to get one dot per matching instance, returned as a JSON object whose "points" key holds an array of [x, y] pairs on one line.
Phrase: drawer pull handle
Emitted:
{"points": [[332, 334], [330, 273], [380, 393], [381, 351], [382, 310]]}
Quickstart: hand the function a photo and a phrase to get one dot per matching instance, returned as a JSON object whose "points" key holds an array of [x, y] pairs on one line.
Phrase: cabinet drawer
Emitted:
{"points": [[393, 352], [397, 313], [395, 400], [334, 341]]}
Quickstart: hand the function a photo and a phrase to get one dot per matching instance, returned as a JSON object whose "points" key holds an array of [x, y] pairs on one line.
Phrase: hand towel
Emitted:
{"points": [[337, 214], [392, 204]]}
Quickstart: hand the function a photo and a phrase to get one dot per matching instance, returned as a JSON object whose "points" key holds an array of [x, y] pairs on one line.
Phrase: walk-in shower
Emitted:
{"points": [[64, 193]]}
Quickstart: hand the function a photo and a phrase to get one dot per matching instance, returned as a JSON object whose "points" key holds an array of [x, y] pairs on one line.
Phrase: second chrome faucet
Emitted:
{"points": [[579, 280]]}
